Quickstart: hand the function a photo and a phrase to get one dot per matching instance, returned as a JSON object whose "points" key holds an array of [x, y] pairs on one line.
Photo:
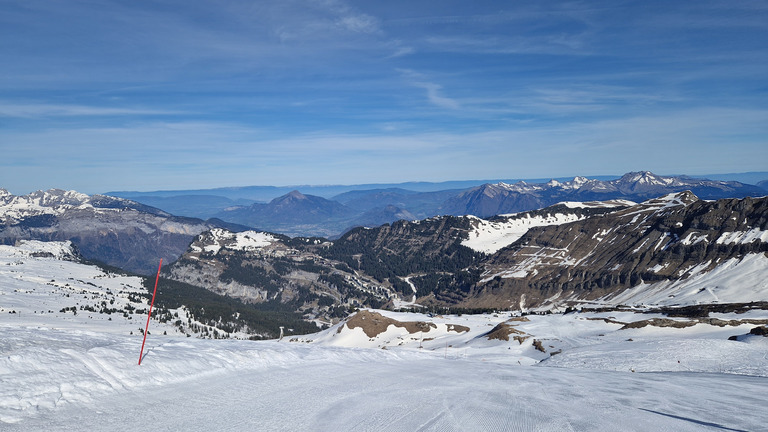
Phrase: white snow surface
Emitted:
{"points": [[743, 237], [599, 204], [733, 281], [51, 202], [79, 372], [491, 236], [244, 241], [29, 248]]}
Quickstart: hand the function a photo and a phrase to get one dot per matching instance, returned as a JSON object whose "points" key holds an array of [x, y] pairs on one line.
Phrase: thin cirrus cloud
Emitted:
{"points": [[434, 92], [31, 111]]}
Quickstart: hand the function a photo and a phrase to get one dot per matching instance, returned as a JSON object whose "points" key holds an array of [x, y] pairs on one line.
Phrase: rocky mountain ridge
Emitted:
{"points": [[55, 202], [388, 266], [659, 241], [258, 267], [607, 253], [115, 231]]}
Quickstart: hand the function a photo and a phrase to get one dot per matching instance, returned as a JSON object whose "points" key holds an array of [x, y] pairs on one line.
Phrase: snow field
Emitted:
{"points": [[492, 236], [203, 385], [732, 281], [60, 371]]}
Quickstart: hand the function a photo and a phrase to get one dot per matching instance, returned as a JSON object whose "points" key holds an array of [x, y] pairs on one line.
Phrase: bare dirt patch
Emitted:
{"points": [[374, 324], [457, 328], [502, 331]]}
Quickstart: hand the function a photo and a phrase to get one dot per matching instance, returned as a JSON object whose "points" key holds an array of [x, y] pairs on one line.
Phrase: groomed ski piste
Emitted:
{"points": [[611, 370]]}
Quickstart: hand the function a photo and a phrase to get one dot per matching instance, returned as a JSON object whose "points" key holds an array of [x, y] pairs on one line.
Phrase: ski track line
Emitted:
{"points": [[95, 366], [433, 422]]}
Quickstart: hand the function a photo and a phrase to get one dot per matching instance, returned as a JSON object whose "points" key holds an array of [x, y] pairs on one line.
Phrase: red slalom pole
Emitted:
{"points": [[141, 354]]}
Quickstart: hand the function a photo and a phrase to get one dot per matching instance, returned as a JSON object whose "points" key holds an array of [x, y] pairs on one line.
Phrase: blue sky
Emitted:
{"points": [[103, 95]]}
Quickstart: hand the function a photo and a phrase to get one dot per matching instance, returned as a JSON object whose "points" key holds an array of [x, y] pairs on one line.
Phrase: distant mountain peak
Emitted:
{"points": [[297, 195], [645, 178], [580, 179], [293, 197], [633, 176], [287, 212]]}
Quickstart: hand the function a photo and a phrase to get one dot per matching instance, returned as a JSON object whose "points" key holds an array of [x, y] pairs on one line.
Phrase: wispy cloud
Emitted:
{"points": [[435, 96], [434, 91], [50, 110]]}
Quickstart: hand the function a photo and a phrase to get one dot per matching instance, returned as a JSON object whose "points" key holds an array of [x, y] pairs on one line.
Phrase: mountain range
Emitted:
{"points": [[608, 250], [300, 214], [673, 250]]}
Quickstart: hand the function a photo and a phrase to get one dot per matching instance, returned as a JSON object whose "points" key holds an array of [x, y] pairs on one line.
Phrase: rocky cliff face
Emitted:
{"points": [[259, 267], [372, 267], [115, 231], [663, 239]]}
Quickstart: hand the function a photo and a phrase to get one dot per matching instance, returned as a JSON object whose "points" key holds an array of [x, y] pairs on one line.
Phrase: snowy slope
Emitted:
{"points": [[56, 202], [61, 371], [42, 285], [733, 281], [489, 236], [675, 249], [218, 238]]}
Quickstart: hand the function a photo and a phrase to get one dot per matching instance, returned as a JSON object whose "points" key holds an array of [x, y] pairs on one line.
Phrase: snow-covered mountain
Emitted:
{"points": [[112, 230], [493, 199], [676, 249], [491, 235], [50, 279], [264, 268], [56, 202], [45, 282]]}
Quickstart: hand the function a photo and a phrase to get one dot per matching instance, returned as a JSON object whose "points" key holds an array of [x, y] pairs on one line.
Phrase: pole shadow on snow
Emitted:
{"points": [[149, 350], [699, 422]]}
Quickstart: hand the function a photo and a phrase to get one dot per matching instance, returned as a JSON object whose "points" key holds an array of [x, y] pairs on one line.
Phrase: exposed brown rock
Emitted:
{"points": [[374, 323], [457, 328], [502, 331]]}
